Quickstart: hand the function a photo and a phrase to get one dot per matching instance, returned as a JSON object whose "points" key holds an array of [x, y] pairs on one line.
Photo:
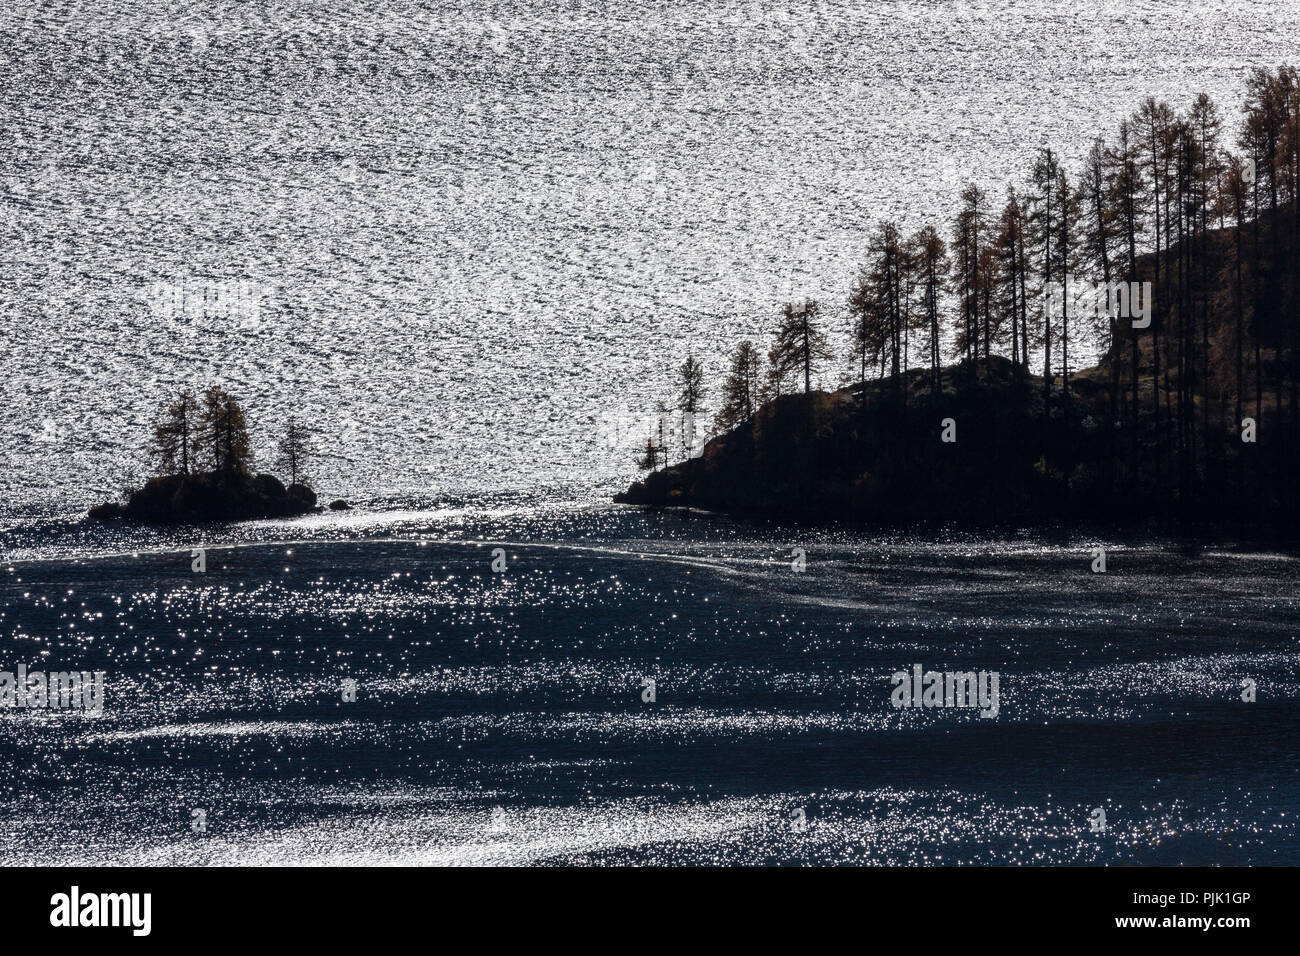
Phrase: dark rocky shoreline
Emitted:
{"points": [[1022, 456]]}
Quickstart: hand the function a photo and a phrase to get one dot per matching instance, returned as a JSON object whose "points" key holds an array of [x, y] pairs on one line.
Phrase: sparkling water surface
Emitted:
{"points": [[468, 243], [499, 716]]}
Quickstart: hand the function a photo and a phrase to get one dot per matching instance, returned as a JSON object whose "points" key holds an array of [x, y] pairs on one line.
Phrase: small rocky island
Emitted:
{"points": [[202, 451]]}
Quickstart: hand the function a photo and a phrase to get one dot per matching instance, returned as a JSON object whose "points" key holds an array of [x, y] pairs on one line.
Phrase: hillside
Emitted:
{"points": [[1173, 456]]}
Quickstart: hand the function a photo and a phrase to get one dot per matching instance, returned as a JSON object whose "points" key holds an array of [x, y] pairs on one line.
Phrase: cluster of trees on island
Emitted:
{"points": [[211, 430], [204, 467], [1177, 402]]}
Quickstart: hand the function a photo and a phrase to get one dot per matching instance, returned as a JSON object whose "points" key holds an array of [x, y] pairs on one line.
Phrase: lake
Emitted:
{"points": [[470, 243], [368, 689]]}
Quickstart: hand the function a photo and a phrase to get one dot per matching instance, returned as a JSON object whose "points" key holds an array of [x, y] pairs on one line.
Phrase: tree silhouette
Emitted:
{"points": [[1045, 205], [1010, 276], [967, 247], [690, 400], [649, 459], [800, 345], [870, 332], [174, 434], [223, 432], [931, 255], [1153, 122], [690, 382], [1067, 257], [295, 450], [1126, 195], [740, 392]]}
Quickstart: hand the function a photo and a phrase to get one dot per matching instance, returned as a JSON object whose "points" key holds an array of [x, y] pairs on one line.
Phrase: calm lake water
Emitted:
{"points": [[468, 243]]}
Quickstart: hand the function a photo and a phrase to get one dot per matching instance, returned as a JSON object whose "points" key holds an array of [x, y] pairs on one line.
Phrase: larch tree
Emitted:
{"points": [[1067, 260], [932, 265], [968, 229], [175, 432], [968, 243], [740, 392], [879, 303], [800, 345], [649, 459], [690, 384], [1153, 123], [1098, 233], [1011, 274], [223, 432], [690, 400], [868, 334], [1127, 196], [295, 450], [1046, 202]]}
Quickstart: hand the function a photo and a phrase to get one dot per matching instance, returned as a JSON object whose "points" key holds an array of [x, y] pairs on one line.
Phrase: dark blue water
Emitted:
{"points": [[499, 716]]}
